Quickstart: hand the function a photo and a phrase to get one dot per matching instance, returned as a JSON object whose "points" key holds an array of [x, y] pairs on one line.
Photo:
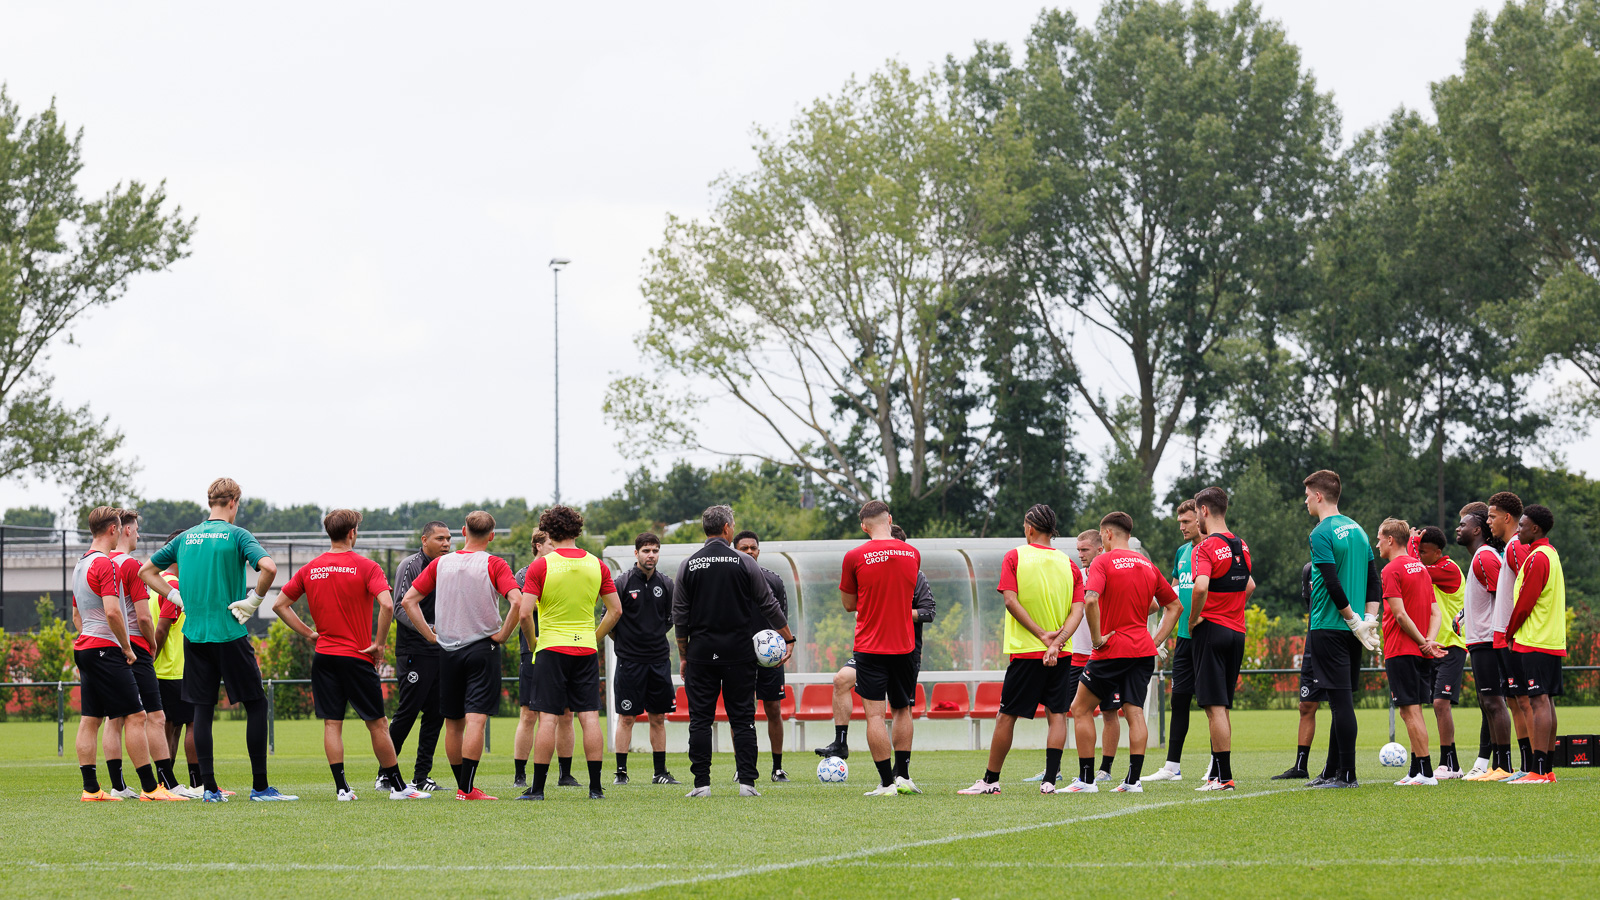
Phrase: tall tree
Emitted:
{"points": [[829, 297], [1522, 120], [60, 256], [1185, 151]]}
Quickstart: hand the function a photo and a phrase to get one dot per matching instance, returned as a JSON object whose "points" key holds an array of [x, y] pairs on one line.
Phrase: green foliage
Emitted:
{"points": [[62, 255], [159, 518], [767, 499], [30, 516], [285, 654]]}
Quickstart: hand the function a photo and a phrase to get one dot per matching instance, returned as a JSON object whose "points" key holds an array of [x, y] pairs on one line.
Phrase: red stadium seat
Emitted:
{"points": [[952, 695], [682, 704], [722, 711], [816, 703], [987, 703]]}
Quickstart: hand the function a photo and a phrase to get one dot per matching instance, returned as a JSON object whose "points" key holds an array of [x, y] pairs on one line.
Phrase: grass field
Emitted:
{"points": [[805, 839]]}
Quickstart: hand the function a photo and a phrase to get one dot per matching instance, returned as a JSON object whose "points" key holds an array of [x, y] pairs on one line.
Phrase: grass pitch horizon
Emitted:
{"points": [[803, 839]]}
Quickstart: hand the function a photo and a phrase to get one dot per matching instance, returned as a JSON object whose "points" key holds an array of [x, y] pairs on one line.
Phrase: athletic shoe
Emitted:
{"points": [[1164, 774], [99, 797], [703, 791], [214, 797], [1047, 787], [622, 777], [271, 793], [1513, 776], [1445, 773], [1495, 774], [529, 794], [664, 778], [982, 787], [409, 793], [129, 793], [160, 793], [521, 781], [193, 793], [426, 785], [378, 784], [1318, 781], [1126, 788], [1101, 776], [1291, 773], [1205, 784], [780, 776], [1407, 781], [906, 786], [1333, 783], [883, 790], [474, 794], [1425, 781], [1079, 786], [1477, 774], [596, 794], [837, 748], [227, 793], [1216, 785], [568, 781], [1038, 777], [345, 796], [748, 790], [1533, 778]]}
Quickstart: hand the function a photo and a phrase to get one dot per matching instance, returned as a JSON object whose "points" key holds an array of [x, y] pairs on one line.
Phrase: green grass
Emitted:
{"points": [[807, 839]]}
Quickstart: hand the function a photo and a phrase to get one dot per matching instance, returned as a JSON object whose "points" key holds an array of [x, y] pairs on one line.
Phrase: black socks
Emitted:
{"points": [[1526, 746], [1106, 762], [841, 734], [1447, 757], [1135, 767], [990, 776], [397, 782], [1302, 756], [91, 781], [566, 766], [522, 767], [1178, 731], [1086, 769], [902, 764], [885, 772], [1052, 765], [541, 774], [777, 761], [338, 777], [147, 778], [1224, 765], [659, 758], [194, 774], [622, 762], [164, 773], [114, 773], [469, 772], [594, 775]]}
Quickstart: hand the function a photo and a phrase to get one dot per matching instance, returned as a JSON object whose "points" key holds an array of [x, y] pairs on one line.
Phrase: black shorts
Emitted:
{"points": [[525, 683], [1540, 673], [1121, 681], [144, 675], [769, 683], [1488, 670], [1334, 657], [1445, 674], [886, 676], [1515, 686], [1218, 655], [643, 688], [1410, 680], [233, 663], [173, 706], [108, 689], [338, 682], [1029, 682], [469, 680], [1183, 666], [563, 681]]}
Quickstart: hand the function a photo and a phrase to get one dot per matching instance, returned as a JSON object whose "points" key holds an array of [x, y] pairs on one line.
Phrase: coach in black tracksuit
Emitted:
{"points": [[721, 597], [417, 661]]}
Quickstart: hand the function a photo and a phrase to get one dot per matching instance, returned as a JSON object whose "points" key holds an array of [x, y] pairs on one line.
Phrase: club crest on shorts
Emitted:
{"points": [[411, 676], [625, 703]]}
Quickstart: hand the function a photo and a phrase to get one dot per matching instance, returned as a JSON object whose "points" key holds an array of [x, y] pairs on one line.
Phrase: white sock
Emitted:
{"points": [[1481, 764], [1173, 767]]}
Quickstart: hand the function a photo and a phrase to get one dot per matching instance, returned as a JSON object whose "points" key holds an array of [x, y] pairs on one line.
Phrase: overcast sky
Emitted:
{"points": [[365, 319]]}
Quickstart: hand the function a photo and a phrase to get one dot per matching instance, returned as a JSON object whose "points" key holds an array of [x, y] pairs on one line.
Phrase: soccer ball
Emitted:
{"points": [[1392, 755], [833, 770], [770, 647]]}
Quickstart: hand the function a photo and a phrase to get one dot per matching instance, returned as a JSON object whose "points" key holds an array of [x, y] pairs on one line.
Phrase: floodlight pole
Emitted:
{"points": [[556, 265]]}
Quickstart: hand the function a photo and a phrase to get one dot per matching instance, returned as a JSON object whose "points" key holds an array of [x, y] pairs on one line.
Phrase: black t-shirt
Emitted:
{"points": [[641, 633]]}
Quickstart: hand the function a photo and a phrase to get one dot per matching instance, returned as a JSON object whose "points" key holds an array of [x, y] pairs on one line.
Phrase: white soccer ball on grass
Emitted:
{"points": [[833, 770], [1393, 755]]}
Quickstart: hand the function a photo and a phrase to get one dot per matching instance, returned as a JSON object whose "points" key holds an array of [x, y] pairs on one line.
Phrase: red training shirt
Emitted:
{"points": [[1407, 579], [1008, 582], [1212, 558], [1125, 582], [882, 575], [340, 586]]}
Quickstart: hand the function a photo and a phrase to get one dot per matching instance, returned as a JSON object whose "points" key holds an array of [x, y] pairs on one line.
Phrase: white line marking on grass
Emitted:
{"points": [[909, 845], [333, 867], [1224, 863]]}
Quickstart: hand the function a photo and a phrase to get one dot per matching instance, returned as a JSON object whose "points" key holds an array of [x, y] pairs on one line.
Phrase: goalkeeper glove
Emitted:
{"points": [[1366, 631], [243, 609], [1161, 653], [175, 600]]}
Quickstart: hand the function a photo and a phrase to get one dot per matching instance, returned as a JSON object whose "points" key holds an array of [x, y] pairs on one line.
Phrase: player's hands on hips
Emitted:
{"points": [[243, 609], [374, 650], [127, 654]]}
